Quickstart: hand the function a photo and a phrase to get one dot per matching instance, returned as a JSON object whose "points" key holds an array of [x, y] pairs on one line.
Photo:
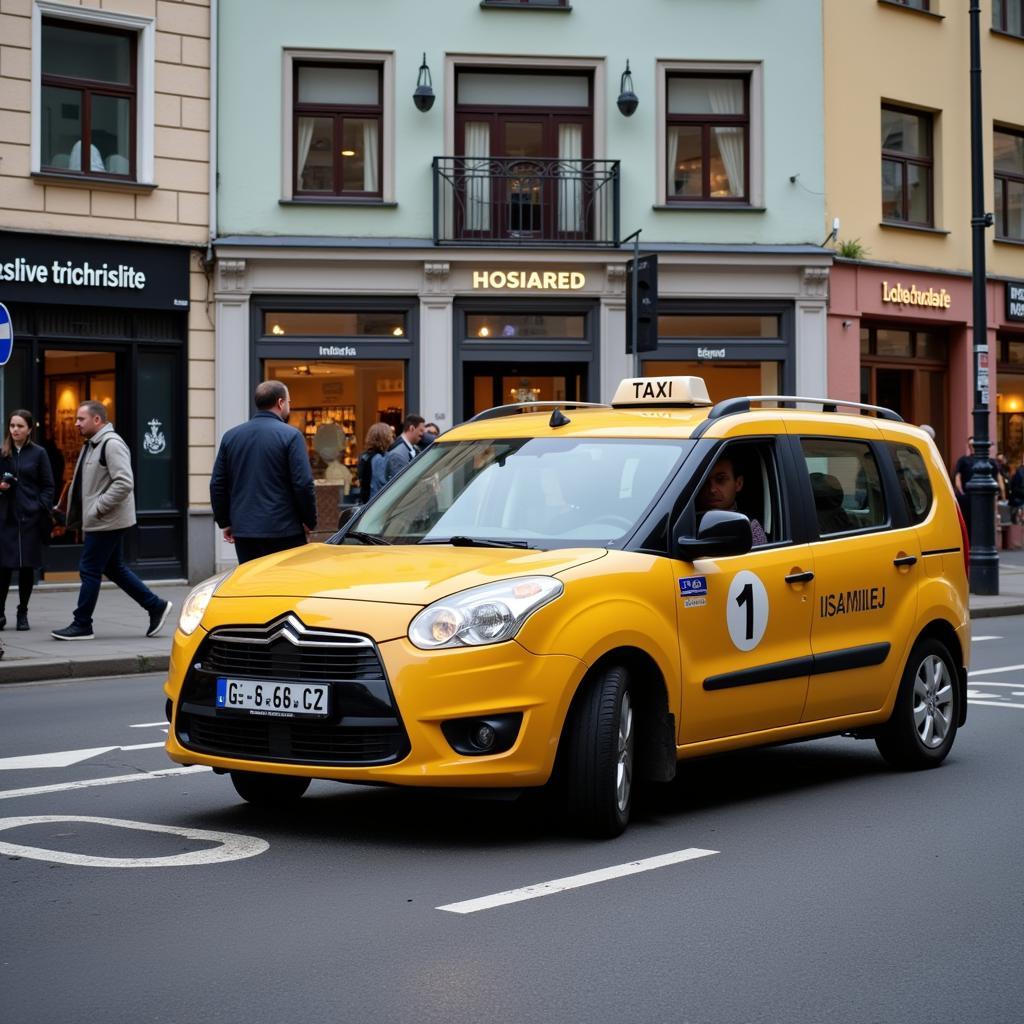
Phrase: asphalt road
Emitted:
{"points": [[837, 891]]}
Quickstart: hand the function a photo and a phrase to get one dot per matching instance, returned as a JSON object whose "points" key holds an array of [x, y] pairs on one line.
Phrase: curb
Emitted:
{"points": [[82, 668], [994, 611]]}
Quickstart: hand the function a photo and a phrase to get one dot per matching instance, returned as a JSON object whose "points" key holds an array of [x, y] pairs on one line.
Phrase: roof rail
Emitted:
{"points": [[730, 406], [507, 410]]}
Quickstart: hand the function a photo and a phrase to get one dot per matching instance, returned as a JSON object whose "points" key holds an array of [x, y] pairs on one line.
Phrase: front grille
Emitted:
{"points": [[363, 726]]}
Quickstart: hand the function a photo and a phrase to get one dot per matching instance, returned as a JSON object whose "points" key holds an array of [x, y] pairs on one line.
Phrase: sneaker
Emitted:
{"points": [[158, 618], [73, 632]]}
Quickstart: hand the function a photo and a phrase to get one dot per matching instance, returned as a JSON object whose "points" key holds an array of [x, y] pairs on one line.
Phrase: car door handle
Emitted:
{"points": [[905, 560], [800, 577]]}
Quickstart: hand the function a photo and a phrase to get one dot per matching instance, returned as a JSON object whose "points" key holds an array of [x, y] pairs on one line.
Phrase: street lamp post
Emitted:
{"points": [[982, 488]]}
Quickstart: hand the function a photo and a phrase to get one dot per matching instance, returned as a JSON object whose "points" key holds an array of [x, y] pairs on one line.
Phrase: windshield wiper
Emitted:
{"points": [[475, 542], [366, 538]]}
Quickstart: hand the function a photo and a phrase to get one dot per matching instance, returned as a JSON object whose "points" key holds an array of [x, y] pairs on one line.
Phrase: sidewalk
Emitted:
{"points": [[122, 648]]}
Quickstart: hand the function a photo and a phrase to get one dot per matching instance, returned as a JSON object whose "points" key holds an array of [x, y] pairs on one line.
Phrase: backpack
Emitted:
{"points": [[364, 471]]}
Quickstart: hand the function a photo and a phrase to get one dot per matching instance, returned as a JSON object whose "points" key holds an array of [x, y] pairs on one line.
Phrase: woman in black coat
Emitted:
{"points": [[26, 498]]}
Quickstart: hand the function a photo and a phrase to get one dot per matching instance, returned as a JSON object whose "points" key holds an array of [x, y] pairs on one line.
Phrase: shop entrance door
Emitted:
{"points": [[70, 377], [491, 384]]}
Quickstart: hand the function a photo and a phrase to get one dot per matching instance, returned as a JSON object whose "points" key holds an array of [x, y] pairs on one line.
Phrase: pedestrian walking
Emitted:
{"points": [[101, 503], [371, 462], [262, 489], [404, 450], [26, 497], [431, 431]]}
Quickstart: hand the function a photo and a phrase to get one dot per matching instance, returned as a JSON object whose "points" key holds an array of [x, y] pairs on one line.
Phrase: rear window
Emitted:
{"points": [[915, 486]]}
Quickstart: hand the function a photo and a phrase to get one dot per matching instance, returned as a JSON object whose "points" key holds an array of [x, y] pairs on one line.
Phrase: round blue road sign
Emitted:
{"points": [[6, 335]]}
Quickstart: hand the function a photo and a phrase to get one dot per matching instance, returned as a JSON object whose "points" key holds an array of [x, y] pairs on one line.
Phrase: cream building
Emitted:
{"points": [[898, 176], [104, 231]]}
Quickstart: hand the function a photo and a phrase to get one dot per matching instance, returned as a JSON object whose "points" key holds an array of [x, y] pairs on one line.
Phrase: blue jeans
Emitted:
{"points": [[102, 556]]}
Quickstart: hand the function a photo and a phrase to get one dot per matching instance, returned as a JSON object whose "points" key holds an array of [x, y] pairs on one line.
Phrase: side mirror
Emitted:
{"points": [[346, 513], [720, 533]]}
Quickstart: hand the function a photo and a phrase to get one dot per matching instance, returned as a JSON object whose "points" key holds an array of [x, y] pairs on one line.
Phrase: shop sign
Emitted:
{"points": [[913, 296], [92, 272], [347, 351], [1015, 301], [530, 280], [711, 353]]}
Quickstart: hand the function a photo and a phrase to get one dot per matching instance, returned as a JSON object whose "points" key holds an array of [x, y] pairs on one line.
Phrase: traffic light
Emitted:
{"points": [[646, 271]]}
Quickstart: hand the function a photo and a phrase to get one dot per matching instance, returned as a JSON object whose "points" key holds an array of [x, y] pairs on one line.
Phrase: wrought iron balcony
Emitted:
{"points": [[525, 201]]}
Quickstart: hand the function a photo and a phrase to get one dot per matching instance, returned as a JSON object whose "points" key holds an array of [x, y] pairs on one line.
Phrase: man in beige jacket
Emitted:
{"points": [[102, 505]]}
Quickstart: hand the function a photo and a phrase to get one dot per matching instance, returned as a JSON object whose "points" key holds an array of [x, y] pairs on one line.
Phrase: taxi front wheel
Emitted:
{"points": [[924, 718], [600, 745], [263, 790]]}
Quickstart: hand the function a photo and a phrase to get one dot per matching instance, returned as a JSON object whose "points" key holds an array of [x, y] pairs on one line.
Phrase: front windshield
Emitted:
{"points": [[541, 492]]}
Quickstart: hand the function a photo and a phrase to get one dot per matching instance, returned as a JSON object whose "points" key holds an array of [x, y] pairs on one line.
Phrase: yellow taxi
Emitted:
{"points": [[583, 595]]}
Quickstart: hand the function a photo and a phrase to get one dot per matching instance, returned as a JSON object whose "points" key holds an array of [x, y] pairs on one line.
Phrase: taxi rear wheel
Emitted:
{"points": [[600, 754], [924, 718], [264, 790]]}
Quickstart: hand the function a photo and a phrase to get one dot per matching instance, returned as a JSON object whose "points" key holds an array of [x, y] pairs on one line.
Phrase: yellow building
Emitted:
{"points": [[898, 177]]}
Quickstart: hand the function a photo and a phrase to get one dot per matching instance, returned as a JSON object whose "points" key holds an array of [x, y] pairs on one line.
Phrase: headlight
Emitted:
{"points": [[489, 614], [194, 608]]}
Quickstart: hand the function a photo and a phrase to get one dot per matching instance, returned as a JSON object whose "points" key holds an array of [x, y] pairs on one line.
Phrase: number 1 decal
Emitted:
{"points": [[746, 610]]}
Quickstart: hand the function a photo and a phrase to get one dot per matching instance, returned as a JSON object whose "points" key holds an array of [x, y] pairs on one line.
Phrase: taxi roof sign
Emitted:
{"points": [[691, 391]]}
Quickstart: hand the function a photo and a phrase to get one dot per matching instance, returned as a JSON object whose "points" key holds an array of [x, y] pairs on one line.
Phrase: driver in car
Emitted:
{"points": [[719, 492]]}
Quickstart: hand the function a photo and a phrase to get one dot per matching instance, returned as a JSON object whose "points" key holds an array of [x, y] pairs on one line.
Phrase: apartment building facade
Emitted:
{"points": [[386, 253], [898, 131], [104, 231]]}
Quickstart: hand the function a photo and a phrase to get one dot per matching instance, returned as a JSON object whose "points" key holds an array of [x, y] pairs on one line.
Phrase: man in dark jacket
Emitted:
{"points": [[262, 487]]}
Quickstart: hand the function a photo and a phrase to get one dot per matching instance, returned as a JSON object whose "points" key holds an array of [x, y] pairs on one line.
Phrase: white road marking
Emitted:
{"points": [[65, 758], [230, 847], [58, 759], [994, 671], [995, 703], [153, 725], [112, 780], [991, 682], [978, 639], [530, 892]]}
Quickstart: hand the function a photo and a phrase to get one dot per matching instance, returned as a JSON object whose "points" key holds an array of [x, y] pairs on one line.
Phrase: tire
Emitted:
{"points": [[262, 790], [923, 725], [600, 754]]}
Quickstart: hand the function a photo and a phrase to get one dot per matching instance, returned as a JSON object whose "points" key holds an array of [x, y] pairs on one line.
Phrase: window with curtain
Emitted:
{"points": [[1008, 16], [337, 124], [1008, 160], [708, 138], [88, 100], [907, 167]]}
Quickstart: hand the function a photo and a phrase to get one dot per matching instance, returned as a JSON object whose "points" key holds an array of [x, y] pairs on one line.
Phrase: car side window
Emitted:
{"points": [[915, 486], [846, 485], [743, 476]]}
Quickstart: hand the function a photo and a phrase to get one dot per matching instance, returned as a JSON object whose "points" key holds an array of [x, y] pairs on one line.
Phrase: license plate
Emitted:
{"points": [[279, 700]]}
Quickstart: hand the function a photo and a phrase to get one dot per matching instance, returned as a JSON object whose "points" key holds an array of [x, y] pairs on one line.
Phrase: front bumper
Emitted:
{"points": [[400, 739]]}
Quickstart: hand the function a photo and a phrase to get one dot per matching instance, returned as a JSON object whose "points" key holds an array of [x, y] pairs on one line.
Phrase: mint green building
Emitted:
{"points": [[385, 253]]}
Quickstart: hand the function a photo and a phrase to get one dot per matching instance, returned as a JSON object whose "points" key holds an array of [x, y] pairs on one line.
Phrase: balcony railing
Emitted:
{"points": [[525, 201]]}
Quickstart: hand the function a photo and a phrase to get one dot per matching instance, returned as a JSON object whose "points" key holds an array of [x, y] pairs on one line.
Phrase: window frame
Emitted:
{"points": [[338, 113], [290, 60], [1004, 26], [143, 117], [87, 89], [905, 159], [1002, 181], [706, 123], [755, 117]]}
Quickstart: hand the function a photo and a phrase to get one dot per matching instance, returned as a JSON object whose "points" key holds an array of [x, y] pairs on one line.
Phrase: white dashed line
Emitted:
{"points": [[530, 892], [978, 639], [112, 780], [995, 671]]}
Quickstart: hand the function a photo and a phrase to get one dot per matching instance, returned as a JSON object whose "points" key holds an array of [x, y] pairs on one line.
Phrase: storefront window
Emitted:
{"points": [[336, 324], [1010, 400], [519, 326], [687, 326], [724, 380], [335, 403]]}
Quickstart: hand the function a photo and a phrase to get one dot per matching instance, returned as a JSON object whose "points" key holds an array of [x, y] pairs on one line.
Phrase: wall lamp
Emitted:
{"points": [[423, 97], [627, 101]]}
